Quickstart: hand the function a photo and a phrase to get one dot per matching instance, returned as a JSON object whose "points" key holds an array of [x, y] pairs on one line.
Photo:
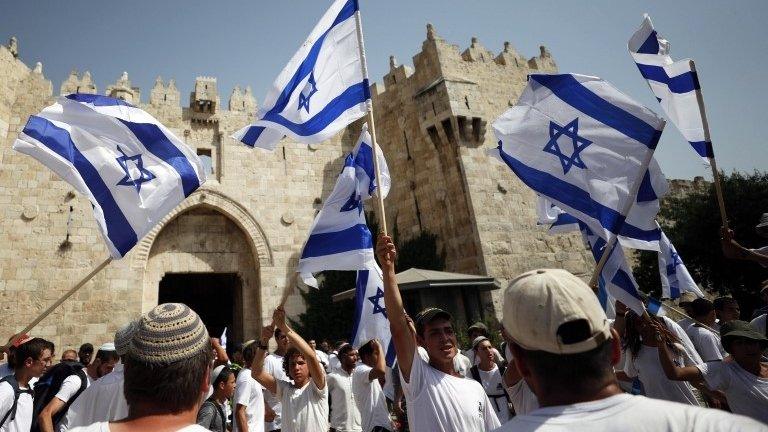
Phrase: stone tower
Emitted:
{"points": [[434, 122]]}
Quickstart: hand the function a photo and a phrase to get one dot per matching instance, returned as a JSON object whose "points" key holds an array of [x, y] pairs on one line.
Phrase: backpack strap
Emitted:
{"points": [[17, 391], [219, 410]]}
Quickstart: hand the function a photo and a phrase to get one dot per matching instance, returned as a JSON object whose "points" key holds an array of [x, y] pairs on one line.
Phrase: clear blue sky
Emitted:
{"points": [[247, 42]]}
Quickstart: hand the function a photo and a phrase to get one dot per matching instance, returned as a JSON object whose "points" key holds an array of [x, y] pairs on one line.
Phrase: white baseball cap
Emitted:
{"points": [[554, 311]]}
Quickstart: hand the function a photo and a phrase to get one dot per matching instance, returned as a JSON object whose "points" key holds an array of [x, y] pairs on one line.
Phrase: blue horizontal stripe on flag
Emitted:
{"points": [[622, 280], [683, 83], [58, 140], [353, 238], [308, 64], [362, 283], [646, 192], [353, 95], [97, 100], [551, 186], [565, 219], [157, 143], [651, 44], [654, 306], [253, 134], [703, 148], [572, 92]]}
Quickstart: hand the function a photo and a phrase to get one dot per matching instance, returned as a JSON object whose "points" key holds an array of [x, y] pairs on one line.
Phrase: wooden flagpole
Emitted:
{"points": [[371, 125], [58, 302], [712, 163], [627, 207]]}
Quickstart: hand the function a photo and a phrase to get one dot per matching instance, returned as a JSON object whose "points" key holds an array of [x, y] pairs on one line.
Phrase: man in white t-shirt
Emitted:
{"points": [[167, 370], [685, 302], [489, 375], [273, 364], [105, 361], [104, 400], [32, 357], [345, 416], [473, 332], [706, 342], [366, 385], [304, 401], [248, 400], [760, 324], [565, 349], [743, 378], [437, 397]]}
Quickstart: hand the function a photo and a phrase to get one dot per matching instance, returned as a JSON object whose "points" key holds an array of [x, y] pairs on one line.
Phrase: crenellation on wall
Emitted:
{"points": [[75, 84]]}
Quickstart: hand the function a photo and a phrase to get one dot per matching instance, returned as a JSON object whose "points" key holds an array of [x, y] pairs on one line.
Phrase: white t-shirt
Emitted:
{"points": [[461, 364], [273, 364], [747, 393], [389, 386], [323, 357], [706, 342], [625, 412], [104, 427], [68, 389], [23, 419], [438, 401], [647, 367], [370, 400], [345, 417], [304, 409], [523, 399], [248, 393], [685, 322], [494, 388], [334, 363], [684, 339], [102, 401], [759, 324]]}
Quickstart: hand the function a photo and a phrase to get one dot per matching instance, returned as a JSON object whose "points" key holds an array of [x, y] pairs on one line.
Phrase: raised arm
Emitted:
{"points": [[673, 372], [404, 339], [316, 369], [221, 354], [266, 379], [379, 370]]}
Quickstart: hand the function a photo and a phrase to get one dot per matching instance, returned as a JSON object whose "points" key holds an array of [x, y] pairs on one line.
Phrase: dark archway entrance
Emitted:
{"points": [[212, 295]]}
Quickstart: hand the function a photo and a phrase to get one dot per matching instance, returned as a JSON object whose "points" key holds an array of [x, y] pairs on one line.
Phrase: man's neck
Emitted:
{"points": [[486, 366], [754, 367], [349, 369], [220, 397], [22, 377], [280, 352], [140, 419], [92, 371], [563, 397], [444, 367]]}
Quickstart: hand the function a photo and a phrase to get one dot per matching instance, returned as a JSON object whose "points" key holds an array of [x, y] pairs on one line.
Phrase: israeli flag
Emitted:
{"points": [[656, 307], [674, 275], [616, 279], [583, 144], [131, 167], [371, 321], [320, 91], [552, 215], [675, 85], [339, 238]]}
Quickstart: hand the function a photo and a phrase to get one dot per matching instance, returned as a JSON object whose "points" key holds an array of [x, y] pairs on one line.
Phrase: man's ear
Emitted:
{"points": [[28, 362], [615, 347], [520, 360]]}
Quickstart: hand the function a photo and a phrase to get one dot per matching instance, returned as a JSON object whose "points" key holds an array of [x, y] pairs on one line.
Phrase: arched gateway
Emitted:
{"points": [[207, 254]]}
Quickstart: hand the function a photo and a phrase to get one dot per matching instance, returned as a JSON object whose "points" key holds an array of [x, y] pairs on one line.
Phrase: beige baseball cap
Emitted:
{"points": [[554, 311]]}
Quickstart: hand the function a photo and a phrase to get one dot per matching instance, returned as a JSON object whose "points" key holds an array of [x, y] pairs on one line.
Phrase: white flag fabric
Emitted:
{"points": [[552, 215], [675, 278], [675, 85], [131, 167], [223, 339], [339, 238], [371, 321], [581, 143], [320, 91]]}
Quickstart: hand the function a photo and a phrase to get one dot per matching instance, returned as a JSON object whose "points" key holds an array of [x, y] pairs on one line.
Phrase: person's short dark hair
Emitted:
{"points": [[701, 307], [346, 348], [365, 350], [223, 376], [166, 387], [580, 372], [249, 353], [428, 315], [107, 356], [86, 348], [32, 349], [721, 302], [290, 353], [278, 333]]}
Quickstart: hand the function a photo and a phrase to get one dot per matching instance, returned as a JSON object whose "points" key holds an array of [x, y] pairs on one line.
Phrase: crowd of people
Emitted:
{"points": [[562, 365]]}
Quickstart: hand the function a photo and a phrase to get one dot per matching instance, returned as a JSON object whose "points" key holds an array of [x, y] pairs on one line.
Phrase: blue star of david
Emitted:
{"points": [[354, 202], [128, 180], [375, 300], [571, 130], [309, 90], [676, 261]]}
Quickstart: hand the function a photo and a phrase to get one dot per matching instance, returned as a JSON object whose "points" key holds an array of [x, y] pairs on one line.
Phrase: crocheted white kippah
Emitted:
{"points": [[169, 333]]}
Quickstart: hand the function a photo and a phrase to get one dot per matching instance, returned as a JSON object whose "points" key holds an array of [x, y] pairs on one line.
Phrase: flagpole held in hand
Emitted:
{"points": [[712, 163], [371, 125], [627, 207], [58, 302]]}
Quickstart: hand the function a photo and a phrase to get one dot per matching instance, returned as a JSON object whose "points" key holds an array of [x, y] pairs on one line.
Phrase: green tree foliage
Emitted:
{"points": [[693, 223]]}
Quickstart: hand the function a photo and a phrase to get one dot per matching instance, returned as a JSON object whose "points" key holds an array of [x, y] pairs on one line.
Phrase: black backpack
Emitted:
{"points": [[49, 385], [11, 414]]}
